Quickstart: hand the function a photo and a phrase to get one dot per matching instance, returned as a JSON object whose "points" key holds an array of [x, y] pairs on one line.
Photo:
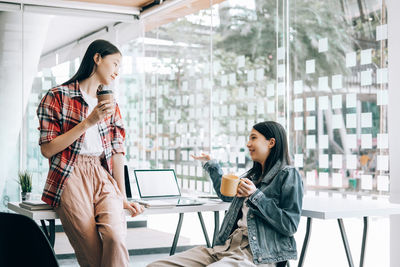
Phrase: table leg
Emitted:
{"points": [[364, 241], [216, 226], [305, 242], [345, 243], [50, 233], [176, 237], [204, 229]]}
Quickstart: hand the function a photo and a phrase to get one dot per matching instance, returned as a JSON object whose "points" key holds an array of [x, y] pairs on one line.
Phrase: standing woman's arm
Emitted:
{"points": [[61, 142], [118, 171], [118, 174], [118, 151], [117, 160]]}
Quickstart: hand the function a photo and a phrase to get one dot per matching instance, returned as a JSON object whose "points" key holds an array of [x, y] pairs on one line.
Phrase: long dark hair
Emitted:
{"points": [[270, 129], [101, 47]]}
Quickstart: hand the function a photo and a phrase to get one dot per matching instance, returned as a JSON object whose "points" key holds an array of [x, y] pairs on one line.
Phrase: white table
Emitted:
{"points": [[339, 208], [211, 205], [313, 208]]}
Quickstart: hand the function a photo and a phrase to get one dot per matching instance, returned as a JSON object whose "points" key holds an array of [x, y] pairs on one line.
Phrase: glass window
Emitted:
{"points": [[321, 73], [198, 84], [339, 94]]}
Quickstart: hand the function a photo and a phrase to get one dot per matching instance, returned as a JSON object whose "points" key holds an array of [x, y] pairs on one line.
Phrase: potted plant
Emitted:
{"points": [[25, 181]]}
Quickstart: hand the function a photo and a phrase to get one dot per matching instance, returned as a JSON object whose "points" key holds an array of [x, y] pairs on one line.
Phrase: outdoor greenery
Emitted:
{"points": [[199, 51]]}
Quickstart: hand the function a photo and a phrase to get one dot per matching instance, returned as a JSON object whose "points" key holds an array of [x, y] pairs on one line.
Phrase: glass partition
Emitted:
{"points": [[131, 100], [200, 83], [179, 98], [247, 88], [339, 94], [317, 68]]}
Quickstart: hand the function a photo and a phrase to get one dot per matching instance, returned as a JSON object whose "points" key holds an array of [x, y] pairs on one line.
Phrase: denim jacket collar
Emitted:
{"points": [[271, 174]]}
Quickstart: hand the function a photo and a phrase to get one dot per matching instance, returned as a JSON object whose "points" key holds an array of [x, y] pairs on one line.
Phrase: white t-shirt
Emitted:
{"points": [[242, 223], [92, 145]]}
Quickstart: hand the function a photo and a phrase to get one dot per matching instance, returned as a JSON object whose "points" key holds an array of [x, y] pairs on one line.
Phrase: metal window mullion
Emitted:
{"points": [[22, 135], [287, 76]]}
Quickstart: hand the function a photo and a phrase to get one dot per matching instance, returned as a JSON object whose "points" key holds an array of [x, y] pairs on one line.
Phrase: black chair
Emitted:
{"points": [[283, 264], [127, 182], [22, 243]]}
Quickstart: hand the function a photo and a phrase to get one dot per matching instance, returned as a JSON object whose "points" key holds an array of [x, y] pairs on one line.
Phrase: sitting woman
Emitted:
{"points": [[258, 228]]}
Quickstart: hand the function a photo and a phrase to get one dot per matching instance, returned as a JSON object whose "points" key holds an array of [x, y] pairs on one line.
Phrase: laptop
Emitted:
{"points": [[158, 188]]}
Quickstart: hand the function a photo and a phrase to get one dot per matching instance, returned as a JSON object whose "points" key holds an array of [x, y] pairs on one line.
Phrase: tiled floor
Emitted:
{"points": [[136, 261], [158, 234], [138, 239]]}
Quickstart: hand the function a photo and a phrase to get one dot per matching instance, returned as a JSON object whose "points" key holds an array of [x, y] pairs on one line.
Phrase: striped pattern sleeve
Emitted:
{"points": [[49, 115]]}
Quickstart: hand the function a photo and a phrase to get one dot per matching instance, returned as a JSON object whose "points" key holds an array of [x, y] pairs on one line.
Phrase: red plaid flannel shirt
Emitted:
{"points": [[59, 111]]}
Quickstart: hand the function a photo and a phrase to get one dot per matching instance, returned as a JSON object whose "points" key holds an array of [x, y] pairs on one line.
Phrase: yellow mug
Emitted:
{"points": [[229, 185]]}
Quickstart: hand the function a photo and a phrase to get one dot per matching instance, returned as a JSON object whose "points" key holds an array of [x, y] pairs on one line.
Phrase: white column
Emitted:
{"points": [[10, 100], [393, 6], [20, 49]]}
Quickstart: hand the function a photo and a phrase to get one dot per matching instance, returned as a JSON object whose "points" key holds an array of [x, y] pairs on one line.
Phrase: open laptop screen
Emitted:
{"points": [[157, 183]]}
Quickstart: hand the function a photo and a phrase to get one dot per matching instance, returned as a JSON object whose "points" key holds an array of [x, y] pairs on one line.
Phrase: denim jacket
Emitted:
{"points": [[274, 213]]}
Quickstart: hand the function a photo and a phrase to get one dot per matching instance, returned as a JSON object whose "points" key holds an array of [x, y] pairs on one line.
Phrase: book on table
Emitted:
{"points": [[35, 205]]}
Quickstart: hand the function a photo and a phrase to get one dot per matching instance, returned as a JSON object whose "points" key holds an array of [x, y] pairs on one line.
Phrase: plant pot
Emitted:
{"points": [[25, 196]]}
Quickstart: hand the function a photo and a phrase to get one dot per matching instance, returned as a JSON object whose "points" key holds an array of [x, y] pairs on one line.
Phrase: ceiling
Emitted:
{"points": [[71, 20], [76, 27], [72, 29], [131, 3]]}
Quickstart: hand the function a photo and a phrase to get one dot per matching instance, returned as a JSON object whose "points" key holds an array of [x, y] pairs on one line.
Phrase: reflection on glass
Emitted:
{"points": [[352, 114], [200, 83]]}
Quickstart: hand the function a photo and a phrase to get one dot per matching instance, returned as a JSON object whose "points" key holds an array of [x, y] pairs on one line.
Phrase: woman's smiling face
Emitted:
{"points": [[259, 147], [108, 68]]}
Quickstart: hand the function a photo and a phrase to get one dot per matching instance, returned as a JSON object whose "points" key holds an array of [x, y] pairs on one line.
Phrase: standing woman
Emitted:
{"points": [[83, 140], [259, 226]]}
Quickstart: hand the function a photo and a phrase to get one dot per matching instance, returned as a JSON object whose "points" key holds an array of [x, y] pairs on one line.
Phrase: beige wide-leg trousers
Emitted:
{"points": [[234, 253], [92, 215]]}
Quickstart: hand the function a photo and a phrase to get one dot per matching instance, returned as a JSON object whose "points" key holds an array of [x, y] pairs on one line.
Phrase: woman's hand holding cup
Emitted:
{"points": [[103, 109], [246, 188], [229, 185]]}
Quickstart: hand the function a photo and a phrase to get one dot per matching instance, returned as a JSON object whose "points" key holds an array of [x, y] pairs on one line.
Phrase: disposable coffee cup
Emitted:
{"points": [[229, 185], [105, 95]]}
